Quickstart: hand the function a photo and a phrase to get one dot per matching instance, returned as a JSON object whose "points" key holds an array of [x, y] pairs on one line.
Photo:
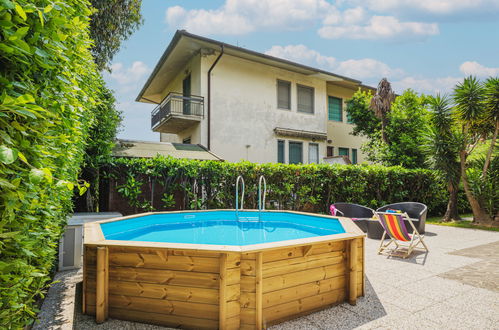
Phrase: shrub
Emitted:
{"points": [[48, 81], [211, 184]]}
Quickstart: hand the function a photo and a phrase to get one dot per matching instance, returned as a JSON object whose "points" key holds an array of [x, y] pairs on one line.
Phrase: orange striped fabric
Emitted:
{"points": [[394, 226]]}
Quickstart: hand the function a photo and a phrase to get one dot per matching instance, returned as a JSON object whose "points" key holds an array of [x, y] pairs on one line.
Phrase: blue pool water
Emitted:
{"points": [[221, 227]]}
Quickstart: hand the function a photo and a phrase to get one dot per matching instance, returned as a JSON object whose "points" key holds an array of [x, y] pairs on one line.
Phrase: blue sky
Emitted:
{"points": [[426, 45]]}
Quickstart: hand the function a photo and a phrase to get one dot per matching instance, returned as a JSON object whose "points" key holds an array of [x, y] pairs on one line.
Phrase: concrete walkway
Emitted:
{"points": [[454, 286]]}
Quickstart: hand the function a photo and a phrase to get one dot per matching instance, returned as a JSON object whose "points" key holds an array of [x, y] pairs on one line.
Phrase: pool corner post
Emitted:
{"points": [[102, 282], [354, 255]]}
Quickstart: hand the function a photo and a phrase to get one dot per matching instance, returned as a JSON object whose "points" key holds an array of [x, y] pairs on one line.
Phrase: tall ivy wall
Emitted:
{"points": [[211, 184], [48, 83]]}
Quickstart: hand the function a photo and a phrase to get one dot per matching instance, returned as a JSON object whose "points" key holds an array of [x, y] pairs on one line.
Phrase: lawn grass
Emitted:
{"points": [[462, 224]]}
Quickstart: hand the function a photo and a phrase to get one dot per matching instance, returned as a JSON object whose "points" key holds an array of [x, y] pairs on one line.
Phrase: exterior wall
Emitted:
{"points": [[244, 109], [339, 132]]}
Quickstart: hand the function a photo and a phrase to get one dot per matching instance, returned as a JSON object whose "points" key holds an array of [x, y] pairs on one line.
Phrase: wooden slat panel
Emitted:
{"points": [[163, 306], [248, 284], [296, 264], [294, 252], [170, 252], [248, 256], [159, 291], [233, 309], [234, 323], [233, 276], [174, 321], [155, 261], [353, 261], [301, 291], [248, 316], [302, 277], [233, 292], [248, 300], [222, 304], [170, 277], [259, 290], [281, 311], [248, 267]]}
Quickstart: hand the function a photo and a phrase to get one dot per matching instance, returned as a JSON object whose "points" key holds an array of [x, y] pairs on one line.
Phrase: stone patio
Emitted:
{"points": [[454, 286]]}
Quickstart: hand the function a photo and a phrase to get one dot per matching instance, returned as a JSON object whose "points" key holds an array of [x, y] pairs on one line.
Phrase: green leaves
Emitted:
{"points": [[20, 12], [8, 155]]}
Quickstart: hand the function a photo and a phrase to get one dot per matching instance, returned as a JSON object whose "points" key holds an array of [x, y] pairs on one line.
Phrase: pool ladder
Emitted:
{"points": [[261, 197], [239, 179]]}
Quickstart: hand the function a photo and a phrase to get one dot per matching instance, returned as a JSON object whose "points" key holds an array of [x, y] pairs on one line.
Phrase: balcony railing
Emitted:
{"points": [[177, 105]]}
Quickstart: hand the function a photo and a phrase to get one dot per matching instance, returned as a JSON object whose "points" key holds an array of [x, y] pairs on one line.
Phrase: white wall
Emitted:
{"points": [[244, 109]]}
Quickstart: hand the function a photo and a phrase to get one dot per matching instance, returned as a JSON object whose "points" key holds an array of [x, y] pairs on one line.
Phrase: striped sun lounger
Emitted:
{"points": [[395, 228]]}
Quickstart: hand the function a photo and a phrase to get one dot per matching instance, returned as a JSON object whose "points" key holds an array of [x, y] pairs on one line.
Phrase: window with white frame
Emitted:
{"points": [[313, 153]]}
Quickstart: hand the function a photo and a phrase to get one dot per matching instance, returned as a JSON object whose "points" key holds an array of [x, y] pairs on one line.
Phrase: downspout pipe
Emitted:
{"points": [[209, 94]]}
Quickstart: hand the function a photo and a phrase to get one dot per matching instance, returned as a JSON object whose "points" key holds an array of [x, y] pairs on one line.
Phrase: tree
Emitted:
{"points": [[476, 115], [112, 22], [381, 103], [442, 148], [492, 116], [404, 129]]}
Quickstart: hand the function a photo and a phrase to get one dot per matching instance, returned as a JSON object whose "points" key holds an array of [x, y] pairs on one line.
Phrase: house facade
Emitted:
{"points": [[246, 105]]}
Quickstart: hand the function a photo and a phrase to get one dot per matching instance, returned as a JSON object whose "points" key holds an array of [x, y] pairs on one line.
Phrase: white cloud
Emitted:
{"points": [[426, 85], [243, 16], [355, 68], [476, 69], [380, 27], [431, 7], [132, 74]]}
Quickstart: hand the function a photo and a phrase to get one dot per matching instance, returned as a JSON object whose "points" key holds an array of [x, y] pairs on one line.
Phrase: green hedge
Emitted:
{"points": [[48, 83], [211, 184]]}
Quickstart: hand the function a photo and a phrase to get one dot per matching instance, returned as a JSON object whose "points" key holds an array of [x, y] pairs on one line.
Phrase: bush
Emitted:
{"points": [[211, 184], [48, 81]]}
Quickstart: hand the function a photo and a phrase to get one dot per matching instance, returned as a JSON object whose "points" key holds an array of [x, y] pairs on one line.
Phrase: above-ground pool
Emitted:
{"points": [[221, 227], [220, 269]]}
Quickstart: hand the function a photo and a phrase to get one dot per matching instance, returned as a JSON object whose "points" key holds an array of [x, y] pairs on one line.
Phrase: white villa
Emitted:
{"points": [[242, 104]]}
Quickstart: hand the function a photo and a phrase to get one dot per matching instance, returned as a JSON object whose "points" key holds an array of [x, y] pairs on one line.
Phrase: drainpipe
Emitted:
{"points": [[209, 94]]}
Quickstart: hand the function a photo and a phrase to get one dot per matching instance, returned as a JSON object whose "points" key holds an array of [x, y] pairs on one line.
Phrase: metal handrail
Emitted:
{"points": [[239, 178], [177, 103], [261, 201]]}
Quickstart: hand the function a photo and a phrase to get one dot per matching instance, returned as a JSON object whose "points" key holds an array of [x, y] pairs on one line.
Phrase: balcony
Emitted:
{"points": [[177, 112]]}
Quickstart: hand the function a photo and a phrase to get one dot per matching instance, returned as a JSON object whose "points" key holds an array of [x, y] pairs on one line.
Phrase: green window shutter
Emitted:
{"points": [[280, 151], [343, 152], [354, 156], [295, 152], [335, 108]]}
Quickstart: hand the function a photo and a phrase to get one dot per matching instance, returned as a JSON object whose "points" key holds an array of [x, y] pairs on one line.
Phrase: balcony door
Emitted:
{"points": [[186, 93]]}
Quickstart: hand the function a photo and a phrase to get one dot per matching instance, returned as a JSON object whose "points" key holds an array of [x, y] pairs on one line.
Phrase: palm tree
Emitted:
{"points": [[492, 117], [442, 148], [381, 103], [471, 113]]}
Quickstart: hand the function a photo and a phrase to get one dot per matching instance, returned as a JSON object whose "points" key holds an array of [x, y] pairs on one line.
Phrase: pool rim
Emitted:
{"points": [[94, 236]]}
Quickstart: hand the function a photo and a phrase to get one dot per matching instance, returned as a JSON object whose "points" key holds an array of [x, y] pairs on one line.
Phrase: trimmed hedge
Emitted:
{"points": [[49, 85], [211, 184]]}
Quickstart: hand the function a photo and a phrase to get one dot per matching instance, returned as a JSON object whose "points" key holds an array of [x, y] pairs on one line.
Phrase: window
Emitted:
{"points": [[305, 99], [280, 151], [354, 156], [313, 153], [295, 152], [330, 151], [187, 140], [283, 94], [335, 108], [343, 152]]}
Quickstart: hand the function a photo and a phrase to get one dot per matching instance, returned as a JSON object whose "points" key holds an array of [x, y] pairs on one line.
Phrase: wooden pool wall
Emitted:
{"points": [[208, 289]]}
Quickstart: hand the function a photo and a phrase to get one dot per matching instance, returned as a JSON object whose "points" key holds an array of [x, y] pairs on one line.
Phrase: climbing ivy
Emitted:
{"points": [[211, 184], [48, 84]]}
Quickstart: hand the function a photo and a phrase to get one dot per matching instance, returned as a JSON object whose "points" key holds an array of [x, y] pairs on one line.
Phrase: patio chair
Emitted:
{"points": [[394, 225], [416, 211], [358, 213]]}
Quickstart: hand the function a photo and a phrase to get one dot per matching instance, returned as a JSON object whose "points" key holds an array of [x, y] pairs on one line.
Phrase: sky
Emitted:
{"points": [[426, 45]]}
